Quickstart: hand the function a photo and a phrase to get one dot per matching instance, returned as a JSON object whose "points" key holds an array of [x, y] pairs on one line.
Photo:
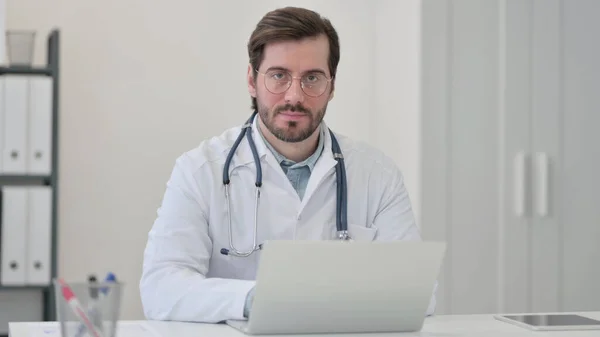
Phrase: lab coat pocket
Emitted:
{"points": [[362, 233]]}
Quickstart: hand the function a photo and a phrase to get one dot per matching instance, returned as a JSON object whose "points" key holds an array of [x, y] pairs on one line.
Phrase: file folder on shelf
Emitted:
{"points": [[15, 110], [39, 231], [2, 108], [39, 144], [14, 231]]}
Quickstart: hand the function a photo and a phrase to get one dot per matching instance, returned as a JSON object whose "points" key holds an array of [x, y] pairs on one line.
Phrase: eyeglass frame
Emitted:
{"points": [[329, 79]]}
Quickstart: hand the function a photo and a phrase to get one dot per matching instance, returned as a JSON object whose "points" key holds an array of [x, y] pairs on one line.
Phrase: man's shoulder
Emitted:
{"points": [[364, 155], [210, 150]]}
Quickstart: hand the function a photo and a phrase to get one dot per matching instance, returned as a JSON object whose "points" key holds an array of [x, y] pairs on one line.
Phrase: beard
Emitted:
{"points": [[293, 132]]}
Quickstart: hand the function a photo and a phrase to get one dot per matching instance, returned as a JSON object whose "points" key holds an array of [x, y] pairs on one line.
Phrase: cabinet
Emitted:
{"points": [[511, 154], [29, 107]]}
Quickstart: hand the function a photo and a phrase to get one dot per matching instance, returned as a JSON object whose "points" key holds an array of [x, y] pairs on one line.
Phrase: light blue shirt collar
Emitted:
{"points": [[310, 162]]}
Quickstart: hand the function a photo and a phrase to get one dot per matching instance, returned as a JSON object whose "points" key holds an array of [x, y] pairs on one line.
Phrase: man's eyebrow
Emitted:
{"points": [[314, 70], [277, 68]]}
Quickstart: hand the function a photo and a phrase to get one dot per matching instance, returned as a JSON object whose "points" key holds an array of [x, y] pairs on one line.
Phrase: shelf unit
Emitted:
{"points": [[52, 70]]}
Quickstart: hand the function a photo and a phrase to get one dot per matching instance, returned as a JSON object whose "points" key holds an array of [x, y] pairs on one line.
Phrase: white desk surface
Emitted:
{"points": [[435, 326]]}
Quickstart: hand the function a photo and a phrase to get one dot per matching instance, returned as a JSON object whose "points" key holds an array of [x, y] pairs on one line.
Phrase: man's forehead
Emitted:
{"points": [[297, 56]]}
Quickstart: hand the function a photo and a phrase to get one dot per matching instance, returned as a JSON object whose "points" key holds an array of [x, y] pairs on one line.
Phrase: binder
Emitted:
{"points": [[2, 81], [13, 236], [15, 124], [39, 144], [39, 209]]}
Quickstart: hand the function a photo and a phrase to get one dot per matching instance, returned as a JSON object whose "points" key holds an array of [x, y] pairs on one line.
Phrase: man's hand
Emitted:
{"points": [[249, 300]]}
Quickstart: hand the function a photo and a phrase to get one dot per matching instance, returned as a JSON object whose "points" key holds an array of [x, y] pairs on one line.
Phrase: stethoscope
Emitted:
{"points": [[341, 220]]}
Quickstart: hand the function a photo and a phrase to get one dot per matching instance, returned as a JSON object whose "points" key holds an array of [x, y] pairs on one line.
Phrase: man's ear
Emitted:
{"points": [[251, 81], [331, 94]]}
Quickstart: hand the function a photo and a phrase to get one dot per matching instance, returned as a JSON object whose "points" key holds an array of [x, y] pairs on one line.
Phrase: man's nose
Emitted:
{"points": [[294, 94]]}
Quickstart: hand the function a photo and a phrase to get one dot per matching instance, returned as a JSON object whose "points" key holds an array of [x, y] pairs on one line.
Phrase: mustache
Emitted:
{"points": [[293, 108]]}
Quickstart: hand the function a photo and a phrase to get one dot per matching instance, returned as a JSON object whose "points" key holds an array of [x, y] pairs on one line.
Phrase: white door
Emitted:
{"points": [[552, 111], [462, 150], [566, 117], [510, 156]]}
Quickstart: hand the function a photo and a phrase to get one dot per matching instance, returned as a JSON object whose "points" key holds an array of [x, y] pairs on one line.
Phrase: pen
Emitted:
{"points": [[110, 278], [77, 309], [93, 289], [93, 309]]}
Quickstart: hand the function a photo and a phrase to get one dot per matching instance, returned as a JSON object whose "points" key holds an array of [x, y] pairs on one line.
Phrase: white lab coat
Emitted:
{"points": [[186, 278]]}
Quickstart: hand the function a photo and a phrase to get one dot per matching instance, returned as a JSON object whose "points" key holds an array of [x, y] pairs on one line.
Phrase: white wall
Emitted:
{"points": [[144, 81], [397, 126]]}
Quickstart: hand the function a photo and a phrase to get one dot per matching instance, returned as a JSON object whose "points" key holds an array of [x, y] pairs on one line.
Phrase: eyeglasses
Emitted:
{"points": [[279, 81]]}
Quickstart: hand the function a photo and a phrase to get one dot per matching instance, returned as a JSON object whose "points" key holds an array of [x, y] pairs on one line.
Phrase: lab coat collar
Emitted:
{"points": [[325, 165], [243, 155]]}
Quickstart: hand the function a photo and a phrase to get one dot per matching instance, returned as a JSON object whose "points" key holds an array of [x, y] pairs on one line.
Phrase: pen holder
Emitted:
{"points": [[20, 46], [88, 309]]}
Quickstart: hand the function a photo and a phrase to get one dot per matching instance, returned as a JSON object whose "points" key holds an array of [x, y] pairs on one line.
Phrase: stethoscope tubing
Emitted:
{"points": [[341, 189]]}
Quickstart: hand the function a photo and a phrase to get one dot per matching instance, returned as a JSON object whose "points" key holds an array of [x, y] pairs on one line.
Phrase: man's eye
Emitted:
{"points": [[312, 78]]}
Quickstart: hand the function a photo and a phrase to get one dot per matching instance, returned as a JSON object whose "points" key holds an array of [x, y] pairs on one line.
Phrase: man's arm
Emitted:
{"points": [[173, 285], [395, 219]]}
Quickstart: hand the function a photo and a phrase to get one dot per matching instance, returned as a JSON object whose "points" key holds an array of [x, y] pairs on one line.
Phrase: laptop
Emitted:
{"points": [[305, 287]]}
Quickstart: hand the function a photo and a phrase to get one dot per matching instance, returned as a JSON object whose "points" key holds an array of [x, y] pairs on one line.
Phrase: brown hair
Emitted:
{"points": [[291, 23]]}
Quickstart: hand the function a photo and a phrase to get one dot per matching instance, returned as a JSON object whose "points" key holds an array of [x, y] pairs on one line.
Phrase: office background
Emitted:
{"points": [[464, 95]]}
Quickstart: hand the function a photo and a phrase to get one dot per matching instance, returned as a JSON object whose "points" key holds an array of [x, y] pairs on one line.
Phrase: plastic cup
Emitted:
{"points": [[20, 45], [101, 304]]}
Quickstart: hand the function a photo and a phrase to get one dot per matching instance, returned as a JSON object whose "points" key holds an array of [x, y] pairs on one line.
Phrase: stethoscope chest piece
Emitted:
{"points": [[343, 236]]}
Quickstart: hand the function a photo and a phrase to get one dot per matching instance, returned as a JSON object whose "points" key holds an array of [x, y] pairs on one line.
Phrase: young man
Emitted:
{"points": [[192, 271]]}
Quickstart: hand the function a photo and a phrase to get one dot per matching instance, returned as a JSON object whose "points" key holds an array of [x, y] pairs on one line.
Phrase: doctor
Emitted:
{"points": [[203, 250]]}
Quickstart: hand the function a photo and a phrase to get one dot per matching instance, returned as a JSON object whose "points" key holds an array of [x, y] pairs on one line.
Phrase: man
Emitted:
{"points": [[293, 55]]}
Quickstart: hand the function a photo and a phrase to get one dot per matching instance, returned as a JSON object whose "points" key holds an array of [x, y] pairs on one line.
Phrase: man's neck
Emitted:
{"points": [[293, 151]]}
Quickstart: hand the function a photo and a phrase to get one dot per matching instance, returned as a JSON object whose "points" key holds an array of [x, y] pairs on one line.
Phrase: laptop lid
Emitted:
{"points": [[337, 287]]}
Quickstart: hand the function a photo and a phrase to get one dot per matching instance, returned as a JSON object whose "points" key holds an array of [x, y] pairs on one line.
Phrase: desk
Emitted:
{"points": [[435, 326]]}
